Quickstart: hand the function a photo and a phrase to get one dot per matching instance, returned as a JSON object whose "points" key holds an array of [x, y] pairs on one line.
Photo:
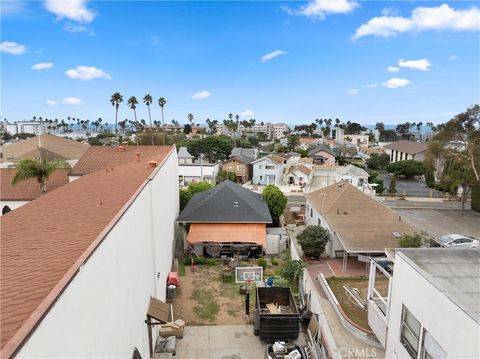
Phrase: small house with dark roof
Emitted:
{"points": [[322, 155], [225, 219], [239, 165]]}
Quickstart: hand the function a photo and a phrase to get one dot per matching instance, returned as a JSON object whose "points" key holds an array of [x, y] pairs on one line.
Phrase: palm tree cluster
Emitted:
{"points": [[71, 124], [116, 99], [41, 170]]}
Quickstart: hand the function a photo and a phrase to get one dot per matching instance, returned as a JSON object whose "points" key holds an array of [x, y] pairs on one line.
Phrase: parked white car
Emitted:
{"points": [[459, 240]]}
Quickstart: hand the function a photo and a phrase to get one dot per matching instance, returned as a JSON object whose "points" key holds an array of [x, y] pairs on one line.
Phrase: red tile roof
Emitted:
{"points": [[29, 189], [101, 157], [47, 240]]}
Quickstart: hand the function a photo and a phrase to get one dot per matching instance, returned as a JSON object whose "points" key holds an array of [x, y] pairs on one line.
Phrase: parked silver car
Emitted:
{"points": [[459, 240]]}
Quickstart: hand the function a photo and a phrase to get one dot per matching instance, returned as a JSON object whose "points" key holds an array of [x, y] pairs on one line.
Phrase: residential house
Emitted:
{"points": [[299, 175], [225, 218], [358, 224], [45, 146], [306, 142], [406, 150], [430, 308], [184, 157], [14, 196], [279, 131], [268, 170], [80, 264], [251, 153], [322, 155], [354, 175], [240, 166], [357, 140], [98, 158]]}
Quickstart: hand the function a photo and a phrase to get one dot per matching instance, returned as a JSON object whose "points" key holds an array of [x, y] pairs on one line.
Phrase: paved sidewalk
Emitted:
{"points": [[220, 342]]}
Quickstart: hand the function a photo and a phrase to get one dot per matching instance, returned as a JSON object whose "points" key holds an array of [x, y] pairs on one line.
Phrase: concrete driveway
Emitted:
{"points": [[411, 188], [220, 342]]}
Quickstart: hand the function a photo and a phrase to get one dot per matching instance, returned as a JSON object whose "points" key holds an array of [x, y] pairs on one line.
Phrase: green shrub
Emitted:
{"points": [[313, 240], [393, 184], [211, 262], [262, 263], [274, 261], [411, 241], [198, 260]]}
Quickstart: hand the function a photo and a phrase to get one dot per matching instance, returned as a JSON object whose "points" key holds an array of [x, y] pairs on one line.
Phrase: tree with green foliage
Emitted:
{"points": [[353, 128], [456, 148], [293, 272], [313, 240], [214, 148], [40, 170], [226, 175], [193, 188], [115, 100], [292, 142], [187, 129], [275, 200], [393, 184], [408, 168], [378, 161], [411, 241]]}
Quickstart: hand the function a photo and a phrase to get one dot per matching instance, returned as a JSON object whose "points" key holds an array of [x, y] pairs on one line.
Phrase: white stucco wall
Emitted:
{"points": [[193, 172], [453, 329], [313, 216], [102, 311], [352, 179], [11, 204], [258, 172]]}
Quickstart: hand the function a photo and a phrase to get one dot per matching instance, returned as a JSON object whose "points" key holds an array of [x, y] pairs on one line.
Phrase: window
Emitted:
{"points": [[261, 178], [311, 212], [409, 332], [260, 167], [319, 222], [239, 167], [6, 209], [229, 167], [431, 349], [269, 167]]}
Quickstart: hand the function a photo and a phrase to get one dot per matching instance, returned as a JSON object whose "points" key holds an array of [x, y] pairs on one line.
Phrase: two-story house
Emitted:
{"points": [[240, 166], [268, 170], [322, 155]]}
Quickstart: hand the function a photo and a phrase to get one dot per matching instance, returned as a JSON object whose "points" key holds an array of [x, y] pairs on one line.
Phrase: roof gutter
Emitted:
{"points": [[18, 340]]}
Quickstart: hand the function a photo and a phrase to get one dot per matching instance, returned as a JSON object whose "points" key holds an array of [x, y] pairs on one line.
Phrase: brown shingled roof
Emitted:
{"points": [[45, 242], [409, 147], [52, 148], [101, 157], [361, 223], [29, 189]]}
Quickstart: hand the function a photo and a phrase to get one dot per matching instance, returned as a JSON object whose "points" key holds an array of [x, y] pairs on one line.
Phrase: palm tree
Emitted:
{"points": [[132, 103], [115, 100], [162, 102], [147, 100], [41, 170]]}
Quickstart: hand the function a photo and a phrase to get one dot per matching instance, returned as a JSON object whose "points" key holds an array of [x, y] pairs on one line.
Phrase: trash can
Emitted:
{"points": [[171, 291]]}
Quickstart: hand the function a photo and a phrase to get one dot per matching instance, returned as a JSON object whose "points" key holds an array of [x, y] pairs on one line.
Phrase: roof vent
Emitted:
{"points": [[125, 143], [121, 149], [137, 155], [345, 212], [235, 204], [152, 164]]}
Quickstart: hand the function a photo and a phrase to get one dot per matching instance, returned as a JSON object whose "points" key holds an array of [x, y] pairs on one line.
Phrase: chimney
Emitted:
{"points": [[121, 149], [137, 155], [152, 164]]}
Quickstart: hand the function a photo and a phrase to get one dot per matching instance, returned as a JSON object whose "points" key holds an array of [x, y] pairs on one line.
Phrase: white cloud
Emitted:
{"points": [[390, 11], [442, 17], [247, 113], [393, 69], [71, 101], [372, 85], [319, 9], [352, 91], [42, 66], [12, 7], [12, 48], [271, 55], [87, 73], [51, 103], [75, 10], [201, 95], [75, 29], [395, 82], [422, 64], [453, 57]]}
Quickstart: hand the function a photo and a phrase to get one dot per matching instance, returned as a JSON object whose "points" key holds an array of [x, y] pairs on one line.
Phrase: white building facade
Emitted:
{"points": [[267, 171], [431, 308], [197, 172], [101, 312]]}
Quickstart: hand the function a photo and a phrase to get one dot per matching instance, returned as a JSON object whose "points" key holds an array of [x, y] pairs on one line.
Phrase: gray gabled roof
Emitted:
{"points": [[227, 202], [183, 153], [320, 148], [243, 152]]}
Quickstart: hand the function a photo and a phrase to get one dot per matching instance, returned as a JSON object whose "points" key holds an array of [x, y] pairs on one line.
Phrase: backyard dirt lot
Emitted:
{"points": [[355, 313], [203, 298]]}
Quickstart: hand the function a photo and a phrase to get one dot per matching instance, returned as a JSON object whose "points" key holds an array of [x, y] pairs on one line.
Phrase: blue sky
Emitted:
{"points": [[274, 61]]}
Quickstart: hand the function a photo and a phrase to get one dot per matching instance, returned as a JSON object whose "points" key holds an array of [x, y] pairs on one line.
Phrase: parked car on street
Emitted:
{"points": [[459, 240]]}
